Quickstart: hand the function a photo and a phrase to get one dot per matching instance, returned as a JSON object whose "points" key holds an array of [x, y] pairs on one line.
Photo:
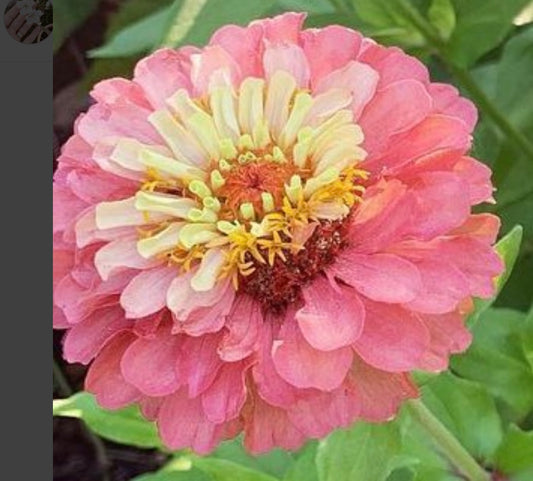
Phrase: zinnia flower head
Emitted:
{"points": [[268, 234]]}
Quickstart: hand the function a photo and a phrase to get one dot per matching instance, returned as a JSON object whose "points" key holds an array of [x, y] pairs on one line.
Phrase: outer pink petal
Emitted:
{"points": [[283, 28], [182, 424], [213, 67], [446, 100], [478, 177], [160, 75], [119, 255], [305, 367], [396, 108], [244, 327], [113, 90], [448, 336], [393, 339], [267, 427], [66, 207], [380, 393], [330, 319], [329, 49], [483, 227], [381, 277], [318, 414], [434, 133], [224, 399], [358, 78], [104, 378], [201, 362], [153, 365], [85, 340], [245, 45], [289, 58], [392, 63], [147, 292], [443, 287]]}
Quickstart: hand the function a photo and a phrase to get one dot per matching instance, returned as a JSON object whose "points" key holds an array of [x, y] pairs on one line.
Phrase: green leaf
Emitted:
{"points": [[68, 16], [481, 26], [304, 468], [442, 16], [276, 462], [365, 451], [515, 455], [498, 359], [223, 470], [125, 426], [139, 37], [192, 474], [467, 410], [508, 248]]}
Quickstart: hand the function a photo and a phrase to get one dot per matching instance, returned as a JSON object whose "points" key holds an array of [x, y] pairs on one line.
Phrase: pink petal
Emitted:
{"points": [[301, 365], [393, 339], [202, 362], [266, 427], [224, 399], [381, 277], [448, 335], [160, 75], [85, 340], [380, 393], [318, 414], [153, 365], [329, 49], [104, 378], [360, 79], [483, 227], [443, 287], [119, 255], [244, 326], [182, 424], [284, 28], [66, 206], [245, 46], [212, 67], [113, 90], [397, 108], [147, 292], [289, 58], [446, 100], [330, 319], [477, 175]]}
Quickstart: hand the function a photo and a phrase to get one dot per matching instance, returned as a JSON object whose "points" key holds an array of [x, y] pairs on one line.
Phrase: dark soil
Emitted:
{"points": [[75, 456]]}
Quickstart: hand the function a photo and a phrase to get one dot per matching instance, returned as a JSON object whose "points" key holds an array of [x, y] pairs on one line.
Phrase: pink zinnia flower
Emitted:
{"points": [[268, 234]]}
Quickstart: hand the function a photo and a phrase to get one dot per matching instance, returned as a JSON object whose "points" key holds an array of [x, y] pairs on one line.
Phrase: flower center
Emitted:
{"points": [[255, 184]]}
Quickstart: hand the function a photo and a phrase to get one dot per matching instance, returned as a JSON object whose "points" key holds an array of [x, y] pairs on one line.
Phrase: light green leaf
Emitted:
{"points": [[139, 37], [508, 248], [125, 426], [365, 451], [304, 468], [275, 462], [481, 26], [68, 16], [224, 470], [172, 475], [515, 455], [442, 16], [467, 410], [497, 359]]}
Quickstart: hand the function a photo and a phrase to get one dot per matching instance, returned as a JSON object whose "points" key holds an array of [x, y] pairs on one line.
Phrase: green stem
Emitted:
{"points": [[183, 21], [484, 103], [446, 443]]}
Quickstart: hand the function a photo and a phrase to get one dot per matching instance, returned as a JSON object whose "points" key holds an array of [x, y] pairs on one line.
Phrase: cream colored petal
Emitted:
{"points": [[161, 242], [329, 210], [251, 110], [280, 91], [122, 213], [196, 234], [223, 107], [172, 167], [301, 106], [126, 153], [207, 274], [327, 104], [184, 146], [164, 203]]}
